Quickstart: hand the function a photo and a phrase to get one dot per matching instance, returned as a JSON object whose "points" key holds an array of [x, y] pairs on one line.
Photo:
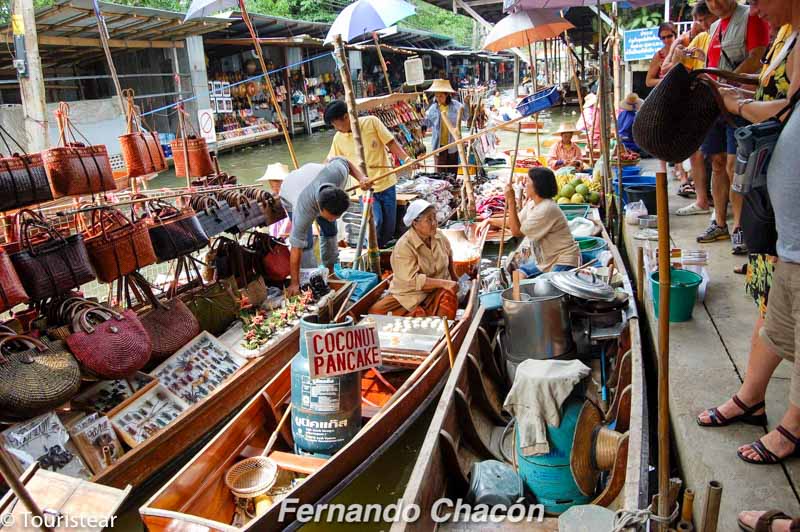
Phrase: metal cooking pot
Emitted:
{"points": [[537, 327]]}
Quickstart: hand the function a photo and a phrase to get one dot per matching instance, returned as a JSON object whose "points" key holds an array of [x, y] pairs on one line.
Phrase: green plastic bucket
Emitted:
{"points": [[683, 293]]}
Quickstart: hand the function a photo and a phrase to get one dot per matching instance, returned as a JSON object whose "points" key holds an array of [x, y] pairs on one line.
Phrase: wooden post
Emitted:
{"points": [[664, 283], [355, 127], [181, 117], [383, 63], [505, 206], [516, 77], [287, 84], [579, 90], [455, 130], [34, 108], [534, 75], [21, 492], [602, 107], [270, 89]]}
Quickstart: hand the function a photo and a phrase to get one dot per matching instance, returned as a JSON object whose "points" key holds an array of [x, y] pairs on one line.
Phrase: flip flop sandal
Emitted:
{"points": [[764, 522], [766, 456], [747, 416], [686, 190]]}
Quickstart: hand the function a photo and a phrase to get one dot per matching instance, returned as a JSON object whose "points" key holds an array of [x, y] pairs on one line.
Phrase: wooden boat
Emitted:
{"points": [[469, 425], [153, 455], [197, 498], [529, 125]]}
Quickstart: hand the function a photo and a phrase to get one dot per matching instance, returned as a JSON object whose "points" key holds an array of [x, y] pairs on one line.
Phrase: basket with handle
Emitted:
{"points": [[117, 245], [23, 179], [199, 163], [141, 150], [76, 168]]}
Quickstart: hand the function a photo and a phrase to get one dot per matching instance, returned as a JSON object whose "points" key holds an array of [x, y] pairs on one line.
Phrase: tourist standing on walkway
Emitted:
{"points": [[780, 336], [738, 42], [443, 105], [376, 139]]}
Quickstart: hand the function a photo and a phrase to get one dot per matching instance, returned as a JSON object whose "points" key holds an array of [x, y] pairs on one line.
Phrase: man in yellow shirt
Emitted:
{"points": [[376, 139]]}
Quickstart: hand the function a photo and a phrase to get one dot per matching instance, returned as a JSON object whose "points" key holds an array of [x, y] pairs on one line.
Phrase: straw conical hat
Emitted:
{"points": [[440, 85], [594, 448], [274, 172], [566, 128], [590, 99], [632, 102]]}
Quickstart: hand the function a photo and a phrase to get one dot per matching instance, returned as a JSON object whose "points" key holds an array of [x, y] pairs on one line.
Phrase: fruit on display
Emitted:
{"points": [[577, 198], [575, 189], [567, 191], [582, 189], [594, 198], [562, 200]]}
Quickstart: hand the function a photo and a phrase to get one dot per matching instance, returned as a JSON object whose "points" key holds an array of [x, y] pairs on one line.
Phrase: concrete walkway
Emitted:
{"points": [[708, 359]]}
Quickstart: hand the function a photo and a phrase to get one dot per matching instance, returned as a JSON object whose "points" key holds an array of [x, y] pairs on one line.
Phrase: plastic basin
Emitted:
{"points": [[591, 247], [683, 293]]}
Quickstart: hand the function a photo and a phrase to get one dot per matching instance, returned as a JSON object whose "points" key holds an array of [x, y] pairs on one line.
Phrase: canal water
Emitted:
{"points": [[384, 481]]}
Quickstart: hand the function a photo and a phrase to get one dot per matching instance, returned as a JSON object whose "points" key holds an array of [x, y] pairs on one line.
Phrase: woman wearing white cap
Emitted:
{"points": [[422, 262]]}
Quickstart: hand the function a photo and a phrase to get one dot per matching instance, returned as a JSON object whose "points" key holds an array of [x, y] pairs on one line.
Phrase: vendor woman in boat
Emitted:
{"points": [[422, 262], [443, 105], [543, 223], [565, 152]]}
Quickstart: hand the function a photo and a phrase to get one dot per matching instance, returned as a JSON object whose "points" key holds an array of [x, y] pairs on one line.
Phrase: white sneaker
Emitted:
{"points": [[691, 210]]}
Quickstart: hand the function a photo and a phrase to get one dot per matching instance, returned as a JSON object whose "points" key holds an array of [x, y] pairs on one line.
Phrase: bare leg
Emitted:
{"points": [[774, 440], [700, 179], [720, 187], [761, 365], [736, 198]]}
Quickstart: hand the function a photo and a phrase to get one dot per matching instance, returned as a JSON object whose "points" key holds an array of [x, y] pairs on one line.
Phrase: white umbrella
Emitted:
{"points": [[366, 16], [206, 8]]}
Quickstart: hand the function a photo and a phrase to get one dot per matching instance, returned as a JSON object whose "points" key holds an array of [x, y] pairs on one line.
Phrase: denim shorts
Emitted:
{"points": [[720, 138]]}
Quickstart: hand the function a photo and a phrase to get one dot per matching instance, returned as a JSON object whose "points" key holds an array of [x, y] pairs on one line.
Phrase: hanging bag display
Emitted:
{"points": [[39, 377], [51, 264], [141, 150], [248, 212], [273, 256], [215, 216], [23, 179], [117, 245], [272, 208], [174, 232], [169, 323], [12, 293], [239, 266], [76, 168], [109, 344], [200, 164], [214, 305]]}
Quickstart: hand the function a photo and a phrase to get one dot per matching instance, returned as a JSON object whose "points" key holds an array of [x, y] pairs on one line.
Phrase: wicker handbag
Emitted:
{"points": [[174, 232], [53, 265], [23, 180], [141, 150], [215, 216], [200, 164], [41, 377], [118, 246], [12, 293], [214, 305], [249, 214], [169, 323], [76, 168], [113, 345]]}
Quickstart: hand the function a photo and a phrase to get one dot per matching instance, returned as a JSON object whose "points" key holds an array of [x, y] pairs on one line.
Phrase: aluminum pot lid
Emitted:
{"points": [[583, 285]]}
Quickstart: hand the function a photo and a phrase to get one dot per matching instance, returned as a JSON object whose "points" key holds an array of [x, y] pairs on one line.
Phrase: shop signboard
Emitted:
{"points": [[342, 350], [641, 44]]}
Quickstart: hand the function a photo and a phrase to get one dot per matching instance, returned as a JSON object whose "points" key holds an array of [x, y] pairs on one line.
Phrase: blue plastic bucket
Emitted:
{"points": [[682, 294], [632, 180], [591, 247]]}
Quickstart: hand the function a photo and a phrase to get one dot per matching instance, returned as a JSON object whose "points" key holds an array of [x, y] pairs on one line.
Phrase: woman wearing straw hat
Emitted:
{"points": [[447, 106], [627, 113], [275, 175], [589, 119], [565, 152]]}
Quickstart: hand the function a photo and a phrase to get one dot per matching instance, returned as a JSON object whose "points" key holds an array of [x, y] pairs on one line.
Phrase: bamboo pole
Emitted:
{"points": [[268, 82], [711, 506], [450, 349], [687, 509], [102, 29], [505, 205], [603, 108], [20, 491], [662, 202], [455, 130], [383, 63], [534, 75], [571, 55], [355, 127]]}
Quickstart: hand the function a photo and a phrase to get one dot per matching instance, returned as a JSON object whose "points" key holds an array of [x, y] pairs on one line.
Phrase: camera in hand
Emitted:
{"points": [[755, 144]]}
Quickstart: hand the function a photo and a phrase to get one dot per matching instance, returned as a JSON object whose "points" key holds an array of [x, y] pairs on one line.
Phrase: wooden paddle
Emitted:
{"points": [[515, 292]]}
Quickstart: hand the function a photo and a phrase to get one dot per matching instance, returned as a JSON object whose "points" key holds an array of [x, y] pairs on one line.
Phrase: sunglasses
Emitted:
{"points": [[667, 36]]}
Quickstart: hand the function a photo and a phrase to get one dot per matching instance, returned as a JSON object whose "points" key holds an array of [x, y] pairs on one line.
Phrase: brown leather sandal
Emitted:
{"points": [[766, 456], [765, 520], [747, 416]]}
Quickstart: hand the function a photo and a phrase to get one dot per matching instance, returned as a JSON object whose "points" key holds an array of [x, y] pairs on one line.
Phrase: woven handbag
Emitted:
{"points": [[273, 210], [41, 377], [118, 246], [141, 150], [200, 164], [76, 168], [111, 346], [214, 305], [215, 216], [12, 293], [54, 265], [23, 180], [174, 232], [169, 323], [249, 214]]}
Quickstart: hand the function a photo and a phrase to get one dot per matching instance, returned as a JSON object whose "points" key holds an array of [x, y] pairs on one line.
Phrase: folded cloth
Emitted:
{"points": [[540, 386]]}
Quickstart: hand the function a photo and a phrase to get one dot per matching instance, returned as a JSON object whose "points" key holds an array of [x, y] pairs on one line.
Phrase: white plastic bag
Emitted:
{"points": [[633, 211]]}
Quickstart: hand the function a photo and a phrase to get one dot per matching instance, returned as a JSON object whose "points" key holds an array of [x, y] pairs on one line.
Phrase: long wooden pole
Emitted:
{"points": [[579, 90], [534, 75], [21, 492], [101, 28], [505, 205], [31, 87], [664, 283], [355, 128], [603, 108], [455, 130], [383, 63], [268, 82]]}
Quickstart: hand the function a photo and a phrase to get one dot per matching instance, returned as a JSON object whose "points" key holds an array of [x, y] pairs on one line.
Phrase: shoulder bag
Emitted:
{"points": [[247, 211], [12, 293], [42, 376], [23, 179], [274, 256], [174, 232], [214, 305], [141, 150], [273, 210], [238, 265], [215, 216], [117, 245]]}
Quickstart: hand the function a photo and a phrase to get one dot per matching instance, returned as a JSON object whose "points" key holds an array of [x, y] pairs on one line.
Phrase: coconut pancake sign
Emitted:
{"points": [[342, 350]]}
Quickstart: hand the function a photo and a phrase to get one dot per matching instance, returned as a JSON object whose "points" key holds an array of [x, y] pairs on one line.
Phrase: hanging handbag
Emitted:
{"points": [[12, 293], [53, 265], [196, 148], [214, 305], [239, 265], [113, 346], [174, 232], [118, 246], [141, 150], [272, 208], [60, 314], [249, 214], [169, 323], [215, 216], [274, 256], [75, 168], [42, 376], [23, 180]]}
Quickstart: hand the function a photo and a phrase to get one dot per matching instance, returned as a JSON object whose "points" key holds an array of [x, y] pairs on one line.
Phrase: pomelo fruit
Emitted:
{"points": [[577, 198], [562, 200], [567, 191], [582, 189], [575, 182], [594, 198]]}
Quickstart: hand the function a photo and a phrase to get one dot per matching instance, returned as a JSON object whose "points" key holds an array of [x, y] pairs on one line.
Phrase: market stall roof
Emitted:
{"points": [[483, 54], [68, 32]]}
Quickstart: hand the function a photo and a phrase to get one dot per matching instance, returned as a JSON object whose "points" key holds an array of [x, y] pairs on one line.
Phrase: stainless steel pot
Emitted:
{"points": [[537, 327]]}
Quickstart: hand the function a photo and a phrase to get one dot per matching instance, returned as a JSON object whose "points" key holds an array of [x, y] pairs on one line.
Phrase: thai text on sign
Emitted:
{"points": [[342, 350]]}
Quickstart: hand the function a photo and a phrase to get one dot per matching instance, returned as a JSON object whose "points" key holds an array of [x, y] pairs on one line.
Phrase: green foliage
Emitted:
{"points": [[645, 17], [437, 20]]}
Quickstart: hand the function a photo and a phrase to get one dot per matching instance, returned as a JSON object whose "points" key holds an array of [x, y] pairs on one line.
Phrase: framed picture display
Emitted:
{"points": [[105, 395], [97, 442], [146, 413], [198, 368], [226, 89], [227, 105], [43, 439]]}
